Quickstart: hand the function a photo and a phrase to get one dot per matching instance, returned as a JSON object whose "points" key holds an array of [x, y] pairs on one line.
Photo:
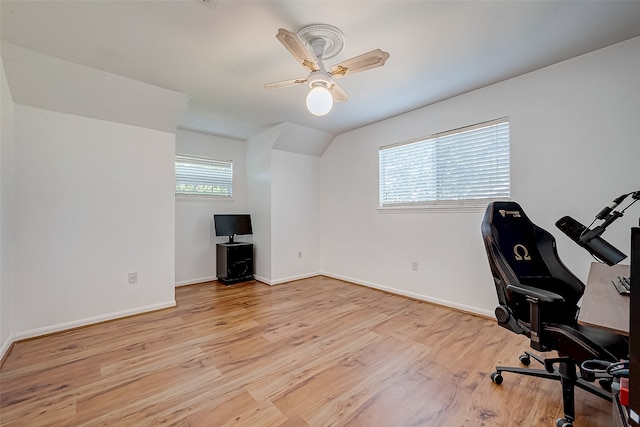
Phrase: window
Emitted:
{"points": [[462, 167], [202, 176]]}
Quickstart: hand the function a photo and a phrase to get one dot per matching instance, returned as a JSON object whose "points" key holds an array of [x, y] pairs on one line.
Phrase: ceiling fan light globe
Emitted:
{"points": [[319, 101]]}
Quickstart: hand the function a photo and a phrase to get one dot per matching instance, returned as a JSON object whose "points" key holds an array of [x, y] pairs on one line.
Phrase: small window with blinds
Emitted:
{"points": [[465, 167], [205, 177]]}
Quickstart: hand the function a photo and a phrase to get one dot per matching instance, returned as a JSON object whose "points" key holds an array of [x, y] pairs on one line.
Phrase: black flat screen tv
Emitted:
{"points": [[231, 225]]}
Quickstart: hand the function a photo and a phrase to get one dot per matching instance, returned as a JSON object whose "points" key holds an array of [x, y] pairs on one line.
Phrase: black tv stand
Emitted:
{"points": [[234, 262]]}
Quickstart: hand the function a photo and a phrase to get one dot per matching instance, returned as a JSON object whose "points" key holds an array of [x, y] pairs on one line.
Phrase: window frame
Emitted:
{"points": [[202, 196], [454, 205]]}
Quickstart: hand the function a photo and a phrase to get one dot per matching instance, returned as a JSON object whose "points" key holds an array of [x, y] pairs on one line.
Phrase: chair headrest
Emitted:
{"points": [[508, 213], [517, 237]]}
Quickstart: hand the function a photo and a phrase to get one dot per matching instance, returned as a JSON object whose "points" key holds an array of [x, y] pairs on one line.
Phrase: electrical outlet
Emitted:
{"points": [[299, 254], [133, 278], [414, 265]]}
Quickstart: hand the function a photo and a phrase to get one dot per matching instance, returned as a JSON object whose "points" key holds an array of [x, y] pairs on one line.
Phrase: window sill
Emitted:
{"points": [[474, 206], [198, 198]]}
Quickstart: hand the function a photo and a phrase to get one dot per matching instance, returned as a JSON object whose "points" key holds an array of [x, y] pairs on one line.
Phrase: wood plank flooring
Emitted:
{"points": [[315, 352]]}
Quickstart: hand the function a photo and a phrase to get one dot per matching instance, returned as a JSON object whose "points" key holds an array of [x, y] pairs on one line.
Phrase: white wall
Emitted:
{"points": [[574, 145], [278, 187], [6, 213], [283, 198], [259, 199], [195, 236], [83, 91], [295, 238], [94, 201]]}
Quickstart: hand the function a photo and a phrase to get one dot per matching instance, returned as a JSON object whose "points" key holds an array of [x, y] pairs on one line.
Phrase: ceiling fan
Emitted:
{"points": [[310, 47]]}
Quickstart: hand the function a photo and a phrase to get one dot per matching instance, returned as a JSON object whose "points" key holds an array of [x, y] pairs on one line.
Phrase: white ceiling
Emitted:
{"points": [[220, 54]]}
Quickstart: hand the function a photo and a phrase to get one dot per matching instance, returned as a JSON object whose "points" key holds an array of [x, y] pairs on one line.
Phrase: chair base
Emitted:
{"points": [[565, 374]]}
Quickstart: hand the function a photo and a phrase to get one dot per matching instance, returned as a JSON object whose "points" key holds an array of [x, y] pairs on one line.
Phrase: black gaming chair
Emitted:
{"points": [[538, 298]]}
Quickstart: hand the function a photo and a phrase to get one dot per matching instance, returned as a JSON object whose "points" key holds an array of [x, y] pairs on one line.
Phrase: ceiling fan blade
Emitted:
{"points": [[285, 83], [297, 48], [339, 95], [366, 61]]}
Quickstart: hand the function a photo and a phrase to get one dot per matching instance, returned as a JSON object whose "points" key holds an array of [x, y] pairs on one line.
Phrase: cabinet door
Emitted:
{"points": [[234, 262], [240, 261]]}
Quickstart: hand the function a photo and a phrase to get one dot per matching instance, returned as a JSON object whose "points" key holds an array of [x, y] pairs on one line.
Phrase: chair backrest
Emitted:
{"points": [[520, 252]]}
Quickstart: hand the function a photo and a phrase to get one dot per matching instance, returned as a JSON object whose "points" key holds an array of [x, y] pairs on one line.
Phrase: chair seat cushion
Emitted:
{"points": [[582, 343], [616, 344]]}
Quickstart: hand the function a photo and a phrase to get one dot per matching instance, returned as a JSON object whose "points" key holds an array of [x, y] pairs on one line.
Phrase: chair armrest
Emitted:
{"points": [[535, 296], [541, 294]]}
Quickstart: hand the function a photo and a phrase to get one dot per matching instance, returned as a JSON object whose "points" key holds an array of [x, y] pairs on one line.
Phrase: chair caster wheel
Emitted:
{"points": [[496, 377], [525, 359], [561, 422]]}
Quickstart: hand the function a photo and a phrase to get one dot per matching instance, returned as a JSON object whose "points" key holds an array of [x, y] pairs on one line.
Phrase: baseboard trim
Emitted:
{"points": [[293, 278], [445, 303], [48, 330], [195, 281], [285, 279], [6, 349], [262, 279]]}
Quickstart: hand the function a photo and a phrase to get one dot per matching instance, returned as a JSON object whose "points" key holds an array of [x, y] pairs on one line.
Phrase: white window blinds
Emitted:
{"points": [[201, 176], [467, 166]]}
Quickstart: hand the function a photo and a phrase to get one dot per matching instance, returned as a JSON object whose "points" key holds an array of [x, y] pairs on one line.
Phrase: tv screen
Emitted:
{"points": [[232, 225]]}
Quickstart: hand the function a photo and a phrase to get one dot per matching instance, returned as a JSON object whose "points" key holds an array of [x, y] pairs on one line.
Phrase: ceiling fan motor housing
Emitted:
{"points": [[320, 78]]}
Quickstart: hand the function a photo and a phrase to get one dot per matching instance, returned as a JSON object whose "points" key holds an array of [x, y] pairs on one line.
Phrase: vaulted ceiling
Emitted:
{"points": [[221, 53]]}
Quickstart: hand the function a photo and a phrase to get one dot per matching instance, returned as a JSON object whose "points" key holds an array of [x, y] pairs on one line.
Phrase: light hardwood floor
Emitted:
{"points": [[316, 352]]}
